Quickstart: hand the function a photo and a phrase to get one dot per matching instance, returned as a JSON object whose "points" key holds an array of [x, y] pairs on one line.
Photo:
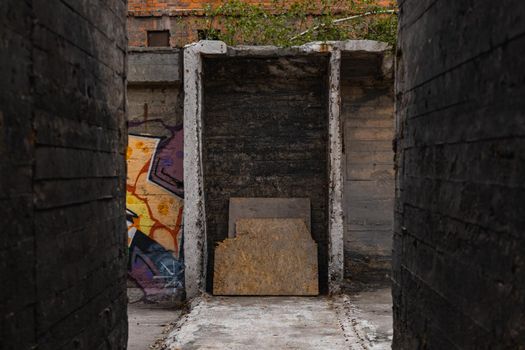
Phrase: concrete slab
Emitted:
{"points": [[148, 324], [285, 323], [248, 208], [370, 312]]}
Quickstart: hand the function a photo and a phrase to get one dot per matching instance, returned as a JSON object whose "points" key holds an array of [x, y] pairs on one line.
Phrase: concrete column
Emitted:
{"points": [[194, 209], [335, 189]]}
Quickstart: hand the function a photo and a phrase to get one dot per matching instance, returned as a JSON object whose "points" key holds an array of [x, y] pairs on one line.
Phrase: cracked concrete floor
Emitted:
{"points": [[360, 321]]}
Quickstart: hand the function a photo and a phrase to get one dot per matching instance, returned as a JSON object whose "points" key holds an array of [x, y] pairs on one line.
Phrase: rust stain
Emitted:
{"points": [[323, 47], [146, 116]]}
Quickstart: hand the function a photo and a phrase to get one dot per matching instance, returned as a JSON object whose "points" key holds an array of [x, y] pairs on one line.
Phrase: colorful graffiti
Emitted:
{"points": [[154, 203]]}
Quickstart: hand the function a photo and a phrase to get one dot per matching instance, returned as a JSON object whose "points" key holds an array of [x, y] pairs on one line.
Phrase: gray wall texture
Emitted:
{"points": [[151, 108], [367, 99], [265, 132], [459, 248], [154, 66], [62, 174]]}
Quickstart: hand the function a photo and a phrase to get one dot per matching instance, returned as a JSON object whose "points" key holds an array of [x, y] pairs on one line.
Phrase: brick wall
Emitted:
{"points": [[265, 134], [183, 30], [182, 19], [459, 250], [368, 114], [157, 7], [62, 171]]}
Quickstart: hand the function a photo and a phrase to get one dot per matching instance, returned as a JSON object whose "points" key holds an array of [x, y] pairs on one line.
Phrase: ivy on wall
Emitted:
{"points": [[288, 23]]}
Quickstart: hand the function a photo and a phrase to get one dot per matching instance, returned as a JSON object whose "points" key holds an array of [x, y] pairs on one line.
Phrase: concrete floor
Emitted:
{"points": [[148, 325], [360, 321]]}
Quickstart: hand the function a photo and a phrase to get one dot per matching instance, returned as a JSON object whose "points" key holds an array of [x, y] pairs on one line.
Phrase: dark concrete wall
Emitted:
{"points": [[459, 250], [62, 172], [368, 115], [265, 134]]}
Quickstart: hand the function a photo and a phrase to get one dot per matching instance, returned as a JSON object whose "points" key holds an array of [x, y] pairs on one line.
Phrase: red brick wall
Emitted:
{"points": [[182, 18], [177, 6], [183, 29]]}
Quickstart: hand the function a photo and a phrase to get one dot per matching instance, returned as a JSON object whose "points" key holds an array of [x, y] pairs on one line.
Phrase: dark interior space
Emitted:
{"points": [[265, 135]]}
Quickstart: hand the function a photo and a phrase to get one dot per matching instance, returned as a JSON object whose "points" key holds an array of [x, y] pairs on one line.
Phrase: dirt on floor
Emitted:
{"points": [[149, 323], [359, 321]]}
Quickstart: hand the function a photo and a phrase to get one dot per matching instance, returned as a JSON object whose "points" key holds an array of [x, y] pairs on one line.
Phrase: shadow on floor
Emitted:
{"points": [[148, 323]]}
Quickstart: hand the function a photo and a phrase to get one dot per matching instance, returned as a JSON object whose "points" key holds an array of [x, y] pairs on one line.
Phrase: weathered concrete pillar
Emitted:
{"points": [[335, 187], [194, 219]]}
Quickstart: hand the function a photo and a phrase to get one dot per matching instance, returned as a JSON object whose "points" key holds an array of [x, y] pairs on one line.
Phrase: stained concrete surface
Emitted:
{"points": [[359, 321], [148, 323]]}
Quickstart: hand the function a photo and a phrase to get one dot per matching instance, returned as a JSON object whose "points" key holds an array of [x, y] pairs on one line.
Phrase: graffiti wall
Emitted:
{"points": [[154, 204]]}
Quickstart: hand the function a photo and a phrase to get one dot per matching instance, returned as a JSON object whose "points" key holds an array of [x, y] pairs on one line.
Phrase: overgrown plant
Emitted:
{"points": [[288, 23]]}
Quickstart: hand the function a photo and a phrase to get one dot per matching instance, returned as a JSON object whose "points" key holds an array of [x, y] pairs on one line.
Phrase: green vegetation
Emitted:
{"points": [[288, 23]]}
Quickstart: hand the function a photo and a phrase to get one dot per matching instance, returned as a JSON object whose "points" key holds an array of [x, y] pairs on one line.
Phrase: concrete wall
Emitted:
{"points": [[459, 251], [155, 193], [265, 132], [154, 66], [155, 109], [368, 116], [62, 172]]}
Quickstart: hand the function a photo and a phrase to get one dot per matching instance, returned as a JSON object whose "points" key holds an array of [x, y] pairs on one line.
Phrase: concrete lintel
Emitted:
{"points": [[362, 45], [309, 48], [194, 210]]}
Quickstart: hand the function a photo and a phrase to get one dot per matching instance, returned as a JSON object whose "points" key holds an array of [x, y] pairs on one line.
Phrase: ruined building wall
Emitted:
{"points": [[174, 6], [62, 172], [154, 196], [459, 250], [183, 19], [265, 133], [368, 117]]}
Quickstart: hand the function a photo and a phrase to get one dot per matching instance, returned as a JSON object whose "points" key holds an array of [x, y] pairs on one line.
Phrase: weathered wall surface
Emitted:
{"points": [[368, 115], [183, 19], [155, 193], [182, 29], [265, 135], [154, 66], [459, 250], [62, 171], [159, 7]]}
